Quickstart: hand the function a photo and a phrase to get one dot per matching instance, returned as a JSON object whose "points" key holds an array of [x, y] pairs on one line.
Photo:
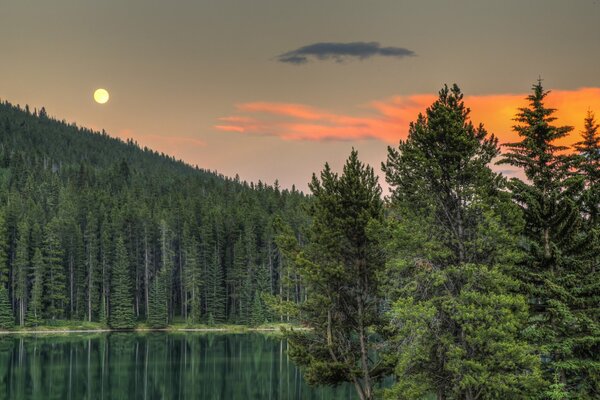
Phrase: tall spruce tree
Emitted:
{"points": [[121, 299], [7, 320], [340, 268], [587, 349], [22, 267], [563, 324], [193, 276], [587, 164], [93, 274], [4, 267], [56, 280], [158, 304], [35, 306], [455, 317]]}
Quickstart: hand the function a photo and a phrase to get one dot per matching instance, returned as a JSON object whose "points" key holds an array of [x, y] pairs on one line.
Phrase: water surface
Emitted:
{"points": [[153, 366]]}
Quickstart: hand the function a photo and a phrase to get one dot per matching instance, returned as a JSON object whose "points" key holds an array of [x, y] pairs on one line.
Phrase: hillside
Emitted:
{"points": [[86, 219]]}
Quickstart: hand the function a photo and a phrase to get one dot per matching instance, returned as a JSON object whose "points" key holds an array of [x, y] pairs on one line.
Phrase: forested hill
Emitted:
{"points": [[94, 228]]}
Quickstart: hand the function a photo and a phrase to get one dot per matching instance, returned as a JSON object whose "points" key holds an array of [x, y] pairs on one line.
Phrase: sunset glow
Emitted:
{"points": [[388, 120]]}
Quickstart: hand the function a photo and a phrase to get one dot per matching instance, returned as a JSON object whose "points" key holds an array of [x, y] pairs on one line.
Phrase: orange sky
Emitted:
{"points": [[387, 120]]}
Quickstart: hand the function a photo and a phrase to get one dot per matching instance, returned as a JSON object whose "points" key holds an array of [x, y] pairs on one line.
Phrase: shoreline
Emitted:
{"points": [[228, 329]]}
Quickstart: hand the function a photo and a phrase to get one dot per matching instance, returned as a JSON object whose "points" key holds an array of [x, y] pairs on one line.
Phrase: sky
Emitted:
{"points": [[272, 89]]}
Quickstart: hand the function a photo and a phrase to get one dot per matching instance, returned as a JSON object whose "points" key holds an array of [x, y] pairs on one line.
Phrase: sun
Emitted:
{"points": [[101, 96]]}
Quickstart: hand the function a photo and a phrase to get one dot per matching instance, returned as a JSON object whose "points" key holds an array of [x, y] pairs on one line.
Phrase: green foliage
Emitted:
{"points": [[35, 306], [561, 242], [21, 265], [56, 280], [258, 311], [4, 267], [121, 315], [157, 314], [482, 353], [339, 267], [76, 202], [6, 317], [456, 319]]}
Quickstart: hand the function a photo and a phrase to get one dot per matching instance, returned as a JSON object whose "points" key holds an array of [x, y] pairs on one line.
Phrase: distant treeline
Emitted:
{"points": [[94, 228]]}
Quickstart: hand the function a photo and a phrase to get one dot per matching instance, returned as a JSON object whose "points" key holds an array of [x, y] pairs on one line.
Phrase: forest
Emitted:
{"points": [[96, 229], [462, 283]]}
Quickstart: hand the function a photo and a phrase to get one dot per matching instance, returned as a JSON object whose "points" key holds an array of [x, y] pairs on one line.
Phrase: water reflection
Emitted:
{"points": [[153, 366]]}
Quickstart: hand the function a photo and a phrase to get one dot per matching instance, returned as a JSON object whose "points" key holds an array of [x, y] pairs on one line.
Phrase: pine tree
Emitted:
{"points": [[453, 234], [215, 292], [166, 252], [193, 276], [4, 268], [6, 316], [56, 280], [121, 304], [261, 285], [35, 306], [340, 268], [92, 274], [558, 249], [587, 163], [21, 271], [157, 313], [258, 312]]}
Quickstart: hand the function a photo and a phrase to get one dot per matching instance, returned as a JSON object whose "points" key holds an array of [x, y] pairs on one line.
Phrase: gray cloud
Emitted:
{"points": [[340, 52]]}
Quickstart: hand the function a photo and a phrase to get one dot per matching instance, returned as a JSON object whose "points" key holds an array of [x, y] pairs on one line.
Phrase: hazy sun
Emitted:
{"points": [[101, 96]]}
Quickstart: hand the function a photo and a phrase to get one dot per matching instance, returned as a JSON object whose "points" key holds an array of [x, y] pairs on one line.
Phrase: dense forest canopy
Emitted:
{"points": [[94, 228]]}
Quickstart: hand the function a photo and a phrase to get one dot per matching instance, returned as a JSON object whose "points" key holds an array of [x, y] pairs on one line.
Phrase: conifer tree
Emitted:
{"points": [[258, 312], [6, 316], [21, 271], [56, 287], [35, 306], [193, 278], [563, 324], [166, 251], [158, 313], [4, 267], [453, 238], [215, 292], [340, 268], [92, 274], [587, 163], [121, 303]]}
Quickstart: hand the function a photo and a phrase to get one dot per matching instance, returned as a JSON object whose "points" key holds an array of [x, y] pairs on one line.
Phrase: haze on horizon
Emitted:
{"points": [[273, 89]]}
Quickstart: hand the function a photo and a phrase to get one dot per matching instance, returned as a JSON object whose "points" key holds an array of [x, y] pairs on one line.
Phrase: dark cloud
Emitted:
{"points": [[341, 52]]}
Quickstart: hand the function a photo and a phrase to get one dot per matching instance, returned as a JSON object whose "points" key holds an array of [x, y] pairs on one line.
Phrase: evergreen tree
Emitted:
{"points": [[215, 292], [564, 324], [21, 267], [56, 288], [258, 312], [92, 273], [340, 268], [193, 276], [453, 229], [4, 267], [121, 315], [587, 164], [166, 252], [35, 306], [6, 316], [157, 313]]}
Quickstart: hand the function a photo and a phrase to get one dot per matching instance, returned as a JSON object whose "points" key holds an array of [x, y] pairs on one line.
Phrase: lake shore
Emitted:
{"points": [[48, 330]]}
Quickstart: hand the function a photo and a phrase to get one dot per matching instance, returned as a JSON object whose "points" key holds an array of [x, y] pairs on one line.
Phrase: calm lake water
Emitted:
{"points": [[153, 366]]}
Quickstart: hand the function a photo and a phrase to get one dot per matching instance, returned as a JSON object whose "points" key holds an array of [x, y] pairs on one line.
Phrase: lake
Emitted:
{"points": [[153, 366]]}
